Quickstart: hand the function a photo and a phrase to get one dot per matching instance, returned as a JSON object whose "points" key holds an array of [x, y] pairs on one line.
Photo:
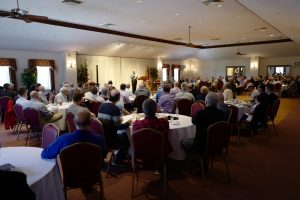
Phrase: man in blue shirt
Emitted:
{"points": [[82, 134]]}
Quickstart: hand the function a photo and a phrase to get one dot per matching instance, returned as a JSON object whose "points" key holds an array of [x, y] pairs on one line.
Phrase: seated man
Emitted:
{"points": [[8, 91], [45, 115], [175, 89], [166, 101], [222, 106], [42, 95], [76, 105], [142, 90], [114, 131], [272, 97], [203, 120], [22, 93], [185, 94], [128, 91], [82, 134], [62, 96], [93, 95], [253, 91], [124, 94], [151, 121]]}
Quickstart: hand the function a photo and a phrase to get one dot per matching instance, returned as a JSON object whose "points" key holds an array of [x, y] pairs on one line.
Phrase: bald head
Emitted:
{"points": [[34, 95], [114, 95], [83, 119]]}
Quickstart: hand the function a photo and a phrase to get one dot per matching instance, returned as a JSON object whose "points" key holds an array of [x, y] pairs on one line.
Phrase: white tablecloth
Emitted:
{"points": [[242, 106], [42, 175], [61, 124], [185, 129]]}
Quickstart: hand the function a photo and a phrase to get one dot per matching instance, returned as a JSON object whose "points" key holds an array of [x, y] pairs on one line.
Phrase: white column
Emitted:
{"points": [[71, 67], [254, 64]]}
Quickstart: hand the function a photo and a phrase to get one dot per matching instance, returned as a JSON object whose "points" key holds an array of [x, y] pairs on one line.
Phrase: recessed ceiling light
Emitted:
{"points": [[199, 22], [144, 21], [219, 5], [271, 35], [139, 1], [176, 14], [243, 38], [238, 16]]}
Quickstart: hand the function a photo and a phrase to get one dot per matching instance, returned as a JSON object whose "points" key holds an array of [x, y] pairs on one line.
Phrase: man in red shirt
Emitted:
{"points": [[151, 121]]}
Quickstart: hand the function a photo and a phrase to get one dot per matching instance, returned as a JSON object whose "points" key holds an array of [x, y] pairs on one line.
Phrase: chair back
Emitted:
{"points": [[148, 146], [80, 164], [184, 106], [203, 103], [138, 102], [233, 115], [94, 107], [3, 102], [218, 135], [70, 122], [19, 113], [49, 134], [196, 107], [275, 108], [96, 127], [32, 118]]}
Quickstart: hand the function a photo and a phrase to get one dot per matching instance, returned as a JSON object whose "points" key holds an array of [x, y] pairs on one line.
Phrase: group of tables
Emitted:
{"points": [[43, 175]]}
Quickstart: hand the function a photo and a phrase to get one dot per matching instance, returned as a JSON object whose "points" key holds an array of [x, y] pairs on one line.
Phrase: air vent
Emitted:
{"points": [[215, 39], [72, 2], [263, 29], [177, 39], [106, 25]]}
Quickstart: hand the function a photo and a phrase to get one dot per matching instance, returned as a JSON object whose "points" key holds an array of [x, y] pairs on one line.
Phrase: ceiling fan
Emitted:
{"points": [[238, 51], [21, 14], [190, 44], [207, 2]]}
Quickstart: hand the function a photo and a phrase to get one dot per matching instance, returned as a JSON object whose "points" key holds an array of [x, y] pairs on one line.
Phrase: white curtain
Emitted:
{"points": [[4, 75], [116, 69], [44, 77]]}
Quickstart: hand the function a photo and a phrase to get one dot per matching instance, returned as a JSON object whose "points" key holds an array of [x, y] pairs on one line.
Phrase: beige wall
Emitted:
{"points": [[264, 62]]}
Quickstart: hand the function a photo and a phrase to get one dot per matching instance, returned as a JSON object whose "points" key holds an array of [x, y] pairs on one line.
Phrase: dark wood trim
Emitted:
{"points": [[136, 36]]}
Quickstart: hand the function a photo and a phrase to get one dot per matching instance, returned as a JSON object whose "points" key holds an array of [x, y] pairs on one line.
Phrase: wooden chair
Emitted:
{"points": [[218, 135], [81, 166], [148, 150], [33, 123], [138, 102], [273, 113], [184, 106], [233, 120], [49, 134]]}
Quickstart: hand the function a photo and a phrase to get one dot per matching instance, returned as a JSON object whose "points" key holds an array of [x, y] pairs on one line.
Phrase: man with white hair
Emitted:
{"points": [[42, 95], [45, 115], [142, 90], [185, 94], [62, 96], [202, 120]]}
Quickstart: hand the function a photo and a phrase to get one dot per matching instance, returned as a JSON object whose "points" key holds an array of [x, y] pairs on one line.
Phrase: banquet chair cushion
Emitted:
{"points": [[32, 119], [49, 134], [81, 166], [19, 113], [94, 107], [184, 106], [70, 122], [138, 102]]}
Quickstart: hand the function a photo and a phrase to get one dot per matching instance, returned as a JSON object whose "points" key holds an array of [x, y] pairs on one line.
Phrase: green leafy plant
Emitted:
{"points": [[28, 78], [82, 73], [153, 73]]}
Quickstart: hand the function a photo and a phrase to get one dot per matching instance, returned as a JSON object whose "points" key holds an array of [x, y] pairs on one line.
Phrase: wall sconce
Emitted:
{"points": [[71, 65]]}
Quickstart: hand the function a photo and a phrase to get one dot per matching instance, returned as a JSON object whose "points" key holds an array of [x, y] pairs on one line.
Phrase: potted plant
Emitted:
{"points": [[82, 73], [28, 78], [153, 75]]}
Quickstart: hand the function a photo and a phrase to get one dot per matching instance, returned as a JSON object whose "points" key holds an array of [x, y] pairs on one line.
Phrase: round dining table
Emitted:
{"points": [[179, 130], [42, 174], [243, 107]]}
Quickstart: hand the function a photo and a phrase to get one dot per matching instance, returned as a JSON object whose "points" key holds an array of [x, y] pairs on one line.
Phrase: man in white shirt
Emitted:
{"points": [[127, 90], [42, 95], [124, 94], [62, 96], [22, 93], [45, 115], [185, 94], [93, 95], [175, 89], [228, 95]]}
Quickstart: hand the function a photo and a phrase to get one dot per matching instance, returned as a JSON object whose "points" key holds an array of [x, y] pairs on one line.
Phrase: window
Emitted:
{"points": [[278, 70], [165, 74], [176, 74], [4, 75], [44, 76]]}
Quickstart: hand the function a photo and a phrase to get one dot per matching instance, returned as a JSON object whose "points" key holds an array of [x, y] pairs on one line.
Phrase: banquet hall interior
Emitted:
{"points": [[67, 65]]}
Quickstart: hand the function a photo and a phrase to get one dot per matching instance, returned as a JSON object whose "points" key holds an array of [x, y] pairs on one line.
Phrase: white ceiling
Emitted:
{"points": [[157, 18]]}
